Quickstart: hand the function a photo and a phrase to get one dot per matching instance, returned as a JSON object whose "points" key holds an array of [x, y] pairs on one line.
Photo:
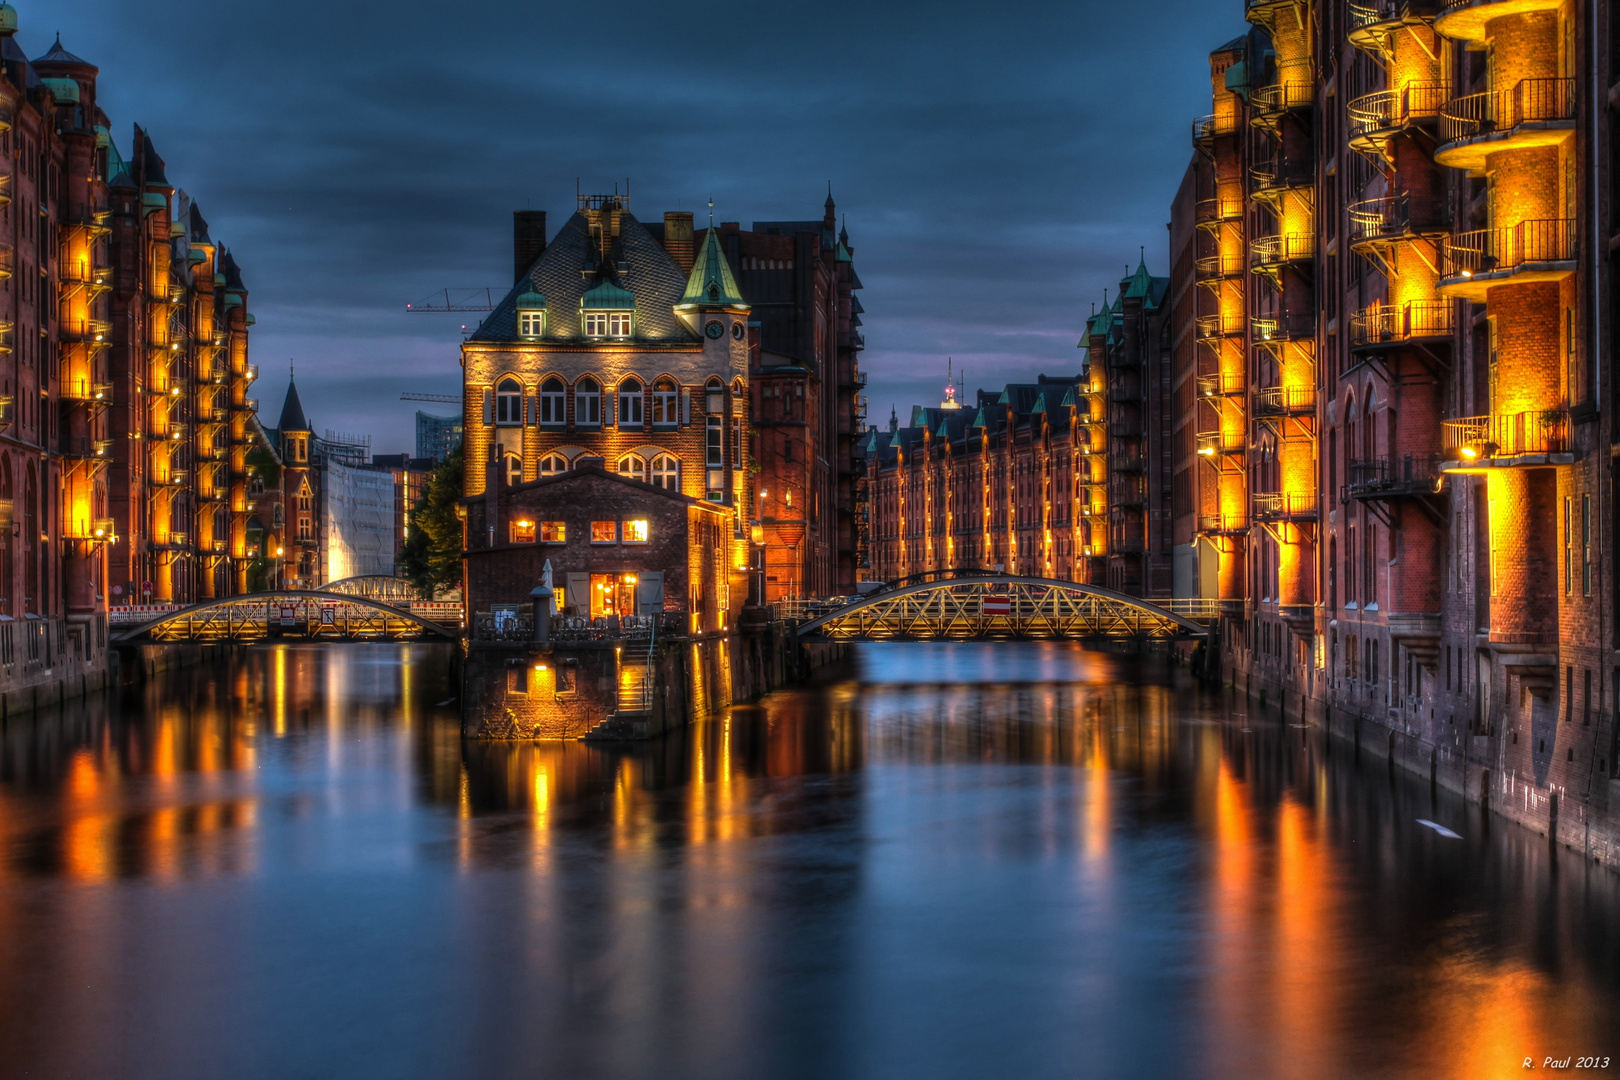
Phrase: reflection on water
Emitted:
{"points": [[957, 860]]}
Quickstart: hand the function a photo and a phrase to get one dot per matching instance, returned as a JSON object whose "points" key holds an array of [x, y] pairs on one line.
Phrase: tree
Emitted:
{"points": [[431, 559]]}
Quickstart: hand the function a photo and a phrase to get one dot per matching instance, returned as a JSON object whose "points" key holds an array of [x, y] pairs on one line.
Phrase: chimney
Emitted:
{"points": [[678, 238], [528, 240]]}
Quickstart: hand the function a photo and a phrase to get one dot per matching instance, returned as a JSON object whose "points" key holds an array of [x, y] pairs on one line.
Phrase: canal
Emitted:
{"points": [[1014, 860]]}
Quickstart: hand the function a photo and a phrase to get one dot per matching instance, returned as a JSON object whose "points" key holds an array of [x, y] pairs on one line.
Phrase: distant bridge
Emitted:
{"points": [[297, 614], [999, 606], [385, 587]]}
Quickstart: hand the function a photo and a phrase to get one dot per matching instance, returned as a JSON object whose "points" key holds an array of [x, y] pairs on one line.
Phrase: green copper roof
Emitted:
{"points": [[711, 284], [978, 420], [1040, 403], [843, 254], [604, 297], [1141, 282], [531, 301]]}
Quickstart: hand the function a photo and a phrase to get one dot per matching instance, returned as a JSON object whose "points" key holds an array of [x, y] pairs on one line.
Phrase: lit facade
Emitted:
{"points": [[1397, 227]]}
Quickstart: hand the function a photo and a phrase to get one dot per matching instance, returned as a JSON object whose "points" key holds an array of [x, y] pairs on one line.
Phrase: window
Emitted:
{"points": [[630, 403], [523, 531], [635, 532], [304, 531], [596, 324], [552, 464], [666, 472], [587, 401], [633, 467], [714, 397], [1586, 545], [604, 532], [619, 324], [512, 467], [531, 323], [553, 532], [508, 402], [1569, 547], [714, 451], [665, 402], [517, 679], [553, 401]]}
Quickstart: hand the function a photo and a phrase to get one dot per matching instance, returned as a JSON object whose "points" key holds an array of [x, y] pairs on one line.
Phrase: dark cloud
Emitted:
{"points": [[999, 164]]}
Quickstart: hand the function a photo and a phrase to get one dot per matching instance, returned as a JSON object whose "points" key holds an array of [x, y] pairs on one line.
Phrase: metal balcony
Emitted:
{"points": [[1278, 506], [172, 478], [1207, 129], [1416, 320], [7, 261], [83, 390], [1289, 326], [1213, 269], [1372, 23], [1285, 401], [1535, 112], [1218, 386], [1397, 477], [1218, 443], [1266, 12], [86, 449], [1389, 220], [1294, 91], [1213, 327], [1223, 524], [1269, 180], [1213, 213], [1538, 250], [1270, 254], [1528, 439], [1378, 117], [173, 541]]}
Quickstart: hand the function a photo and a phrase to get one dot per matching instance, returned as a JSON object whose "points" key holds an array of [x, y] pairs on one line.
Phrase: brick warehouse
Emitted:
{"points": [[123, 375], [720, 363], [1393, 307]]}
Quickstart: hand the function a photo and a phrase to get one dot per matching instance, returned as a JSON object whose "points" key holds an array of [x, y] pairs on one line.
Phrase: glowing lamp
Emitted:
{"points": [[278, 551], [1470, 453], [1207, 451]]}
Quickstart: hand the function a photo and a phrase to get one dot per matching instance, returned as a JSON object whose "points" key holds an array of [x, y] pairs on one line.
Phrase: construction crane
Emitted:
{"points": [[448, 399], [447, 300]]}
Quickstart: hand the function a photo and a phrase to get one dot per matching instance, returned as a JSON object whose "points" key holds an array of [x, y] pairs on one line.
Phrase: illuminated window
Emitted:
{"points": [[587, 401], [665, 403], [619, 324], [553, 400], [635, 532], [633, 467], [552, 464], [523, 532], [512, 465], [508, 402], [596, 324], [604, 532], [630, 403], [714, 447], [666, 472], [531, 323], [553, 532], [305, 530]]}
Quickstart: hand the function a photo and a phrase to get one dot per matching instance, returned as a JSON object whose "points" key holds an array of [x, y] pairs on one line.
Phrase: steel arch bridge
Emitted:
{"points": [[293, 614], [999, 606]]}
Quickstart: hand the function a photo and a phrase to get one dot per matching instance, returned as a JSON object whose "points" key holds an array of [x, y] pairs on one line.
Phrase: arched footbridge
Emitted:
{"points": [[292, 614], [995, 606]]}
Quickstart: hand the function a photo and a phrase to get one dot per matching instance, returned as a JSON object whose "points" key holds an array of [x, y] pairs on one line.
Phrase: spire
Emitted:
{"points": [[711, 284], [292, 410]]}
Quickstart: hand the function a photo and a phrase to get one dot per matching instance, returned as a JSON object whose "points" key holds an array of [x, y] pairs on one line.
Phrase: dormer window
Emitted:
{"points": [[607, 324], [607, 311], [531, 315]]}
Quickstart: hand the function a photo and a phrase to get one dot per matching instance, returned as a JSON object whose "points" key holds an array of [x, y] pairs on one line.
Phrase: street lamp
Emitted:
{"points": [[759, 546]]}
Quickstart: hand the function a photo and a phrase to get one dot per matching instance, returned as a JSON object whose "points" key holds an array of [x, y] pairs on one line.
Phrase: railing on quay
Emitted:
{"points": [[1382, 325], [519, 626], [1528, 101], [1478, 438], [1484, 251]]}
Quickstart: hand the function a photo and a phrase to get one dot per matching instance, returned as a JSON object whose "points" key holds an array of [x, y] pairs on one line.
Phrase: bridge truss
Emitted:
{"points": [[1000, 606], [289, 614]]}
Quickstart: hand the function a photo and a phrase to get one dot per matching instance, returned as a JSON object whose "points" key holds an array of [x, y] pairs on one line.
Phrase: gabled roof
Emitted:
{"points": [[711, 283], [603, 296], [292, 411], [199, 226], [642, 267], [233, 273]]}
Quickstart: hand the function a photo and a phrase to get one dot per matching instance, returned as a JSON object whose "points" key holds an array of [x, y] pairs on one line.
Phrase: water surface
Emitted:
{"points": [[1012, 860]]}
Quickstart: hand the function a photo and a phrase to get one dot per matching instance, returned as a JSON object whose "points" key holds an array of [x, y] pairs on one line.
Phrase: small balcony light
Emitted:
{"points": [[1470, 453]]}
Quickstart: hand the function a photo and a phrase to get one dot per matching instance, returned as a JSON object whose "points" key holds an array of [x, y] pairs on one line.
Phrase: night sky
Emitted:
{"points": [[998, 164]]}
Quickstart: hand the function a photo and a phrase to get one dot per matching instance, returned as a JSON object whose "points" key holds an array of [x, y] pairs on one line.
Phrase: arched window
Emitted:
{"points": [[512, 465], [633, 467], [553, 395], [666, 472], [714, 394], [552, 464], [666, 411], [587, 401], [630, 402], [508, 402]]}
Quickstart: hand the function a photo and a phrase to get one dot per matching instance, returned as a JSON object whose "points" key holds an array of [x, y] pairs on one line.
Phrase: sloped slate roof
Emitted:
{"points": [[59, 55], [651, 276], [292, 411]]}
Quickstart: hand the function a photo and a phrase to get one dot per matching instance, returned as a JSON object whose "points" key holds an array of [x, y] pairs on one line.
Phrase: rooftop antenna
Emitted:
{"points": [[711, 211]]}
